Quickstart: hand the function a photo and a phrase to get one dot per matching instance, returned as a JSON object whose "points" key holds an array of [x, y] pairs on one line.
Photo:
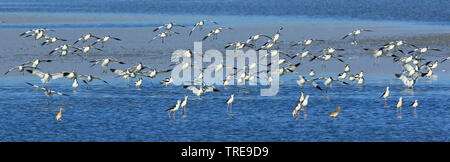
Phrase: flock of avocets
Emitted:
{"points": [[411, 62]]}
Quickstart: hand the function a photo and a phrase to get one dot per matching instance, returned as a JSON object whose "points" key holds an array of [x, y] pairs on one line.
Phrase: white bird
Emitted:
{"points": [[105, 62], [75, 83], [414, 105], [400, 103], [201, 90], [254, 38], [104, 39], [168, 26], [47, 92], [174, 109], [307, 42], [35, 63], [385, 95], [167, 81], [347, 68], [215, 32], [85, 38], [376, 53], [20, 68], [312, 73], [163, 35], [230, 102], [45, 77], [409, 82], [184, 103], [153, 73], [49, 40], [239, 45], [200, 25], [355, 33], [90, 78], [138, 83]]}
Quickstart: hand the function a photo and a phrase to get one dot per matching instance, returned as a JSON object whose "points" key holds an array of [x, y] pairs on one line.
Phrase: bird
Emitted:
{"points": [[86, 49], [414, 105], [162, 36], [201, 90], [296, 109], [330, 80], [215, 32], [49, 40], [184, 103], [347, 68], [47, 92], [174, 109], [75, 83], [105, 62], [230, 102], [342, 75], [255, 37], [423, 50], [138, 83], [45, 77], [385, 95], [400, 103], [448, 58], [34, 64], [167, 81], [63, 48], [38, 33], [312, 73], [355, 33], [307, 42], [104, 39], [20, 68], [409, 82], [59, 115], [200, 25], [376, 52], [168, 26], [238, 45], [85, 38], [301, 55], [138, 67], [305, 103], [335, 113], [90, 78]]}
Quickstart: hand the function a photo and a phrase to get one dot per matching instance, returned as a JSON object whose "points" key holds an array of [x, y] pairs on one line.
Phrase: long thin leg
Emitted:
{"points": [[169, 115], [231, 107], [227, 107], [174, 115]]}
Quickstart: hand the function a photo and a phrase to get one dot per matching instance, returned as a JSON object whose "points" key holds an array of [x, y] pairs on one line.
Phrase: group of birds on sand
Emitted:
{"points": [[409, 74]]}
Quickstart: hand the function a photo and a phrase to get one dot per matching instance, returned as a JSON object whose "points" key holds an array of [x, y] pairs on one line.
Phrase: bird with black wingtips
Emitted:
{"points": [[174, 109], [200, 25], [385, 95]]}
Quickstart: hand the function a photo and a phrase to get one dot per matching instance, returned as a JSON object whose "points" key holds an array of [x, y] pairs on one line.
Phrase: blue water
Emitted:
{"points": [[117, 113], [436, 11]]}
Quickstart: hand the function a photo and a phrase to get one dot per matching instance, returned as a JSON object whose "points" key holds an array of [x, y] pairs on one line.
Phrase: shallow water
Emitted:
{"points": [[117, 113]]}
